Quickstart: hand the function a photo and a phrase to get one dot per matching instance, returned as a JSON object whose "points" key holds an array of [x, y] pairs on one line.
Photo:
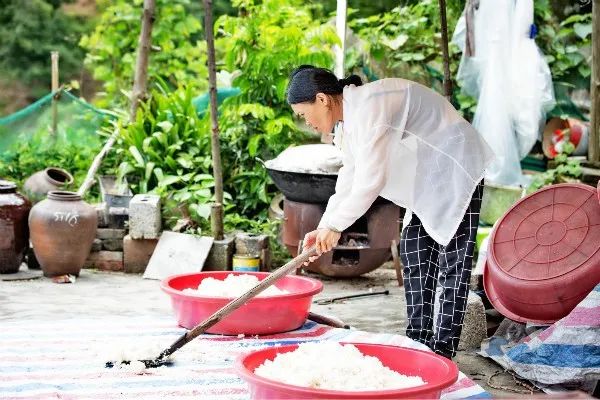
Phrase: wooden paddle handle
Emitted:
{"points": [[240, 301]]}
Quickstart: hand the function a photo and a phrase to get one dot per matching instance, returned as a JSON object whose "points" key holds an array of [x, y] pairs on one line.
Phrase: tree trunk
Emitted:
{"points": [[140, 81], [54, 72], [444, 26], [594, 147], [217, 214]]}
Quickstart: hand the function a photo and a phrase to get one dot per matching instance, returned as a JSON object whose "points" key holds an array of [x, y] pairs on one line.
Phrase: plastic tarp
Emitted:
{"points": [[563, 355]]}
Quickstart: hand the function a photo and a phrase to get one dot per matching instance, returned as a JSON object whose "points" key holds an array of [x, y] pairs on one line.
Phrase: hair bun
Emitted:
{"points": [[350, 80]]}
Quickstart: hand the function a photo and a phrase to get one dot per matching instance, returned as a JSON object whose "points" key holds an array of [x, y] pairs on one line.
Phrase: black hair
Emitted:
{"points": [[306, 81]]}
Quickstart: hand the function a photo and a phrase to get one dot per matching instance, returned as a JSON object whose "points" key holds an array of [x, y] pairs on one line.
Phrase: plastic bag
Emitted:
{"points": [[531, 82], [511, 80]]}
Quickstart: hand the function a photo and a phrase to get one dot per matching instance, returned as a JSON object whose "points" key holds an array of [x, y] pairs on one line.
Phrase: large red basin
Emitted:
{"points": [[438, 373], [260, 316], [544, 254]]}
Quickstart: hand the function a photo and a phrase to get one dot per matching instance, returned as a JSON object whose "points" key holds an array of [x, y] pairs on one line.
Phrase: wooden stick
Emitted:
{"points": [[140, 81], [444, 26], [217, 224], [55, 79], [89, 179]]}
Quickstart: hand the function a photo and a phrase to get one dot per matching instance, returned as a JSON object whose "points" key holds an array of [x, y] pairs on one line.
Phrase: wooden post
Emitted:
{"points": [[444, 26], [54, 72], [140, 81], [594, 147], [217, 208]]}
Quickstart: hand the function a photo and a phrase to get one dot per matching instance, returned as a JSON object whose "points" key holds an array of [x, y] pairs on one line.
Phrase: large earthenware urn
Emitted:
{"points": [[39, 184], [14, 232], [62, 229]]}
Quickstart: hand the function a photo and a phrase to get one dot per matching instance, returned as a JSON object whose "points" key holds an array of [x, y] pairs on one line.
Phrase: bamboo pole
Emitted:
{"points": [[55, 79], [446, 54], [217, 207], [89, 179], [594, 147], [140, 81]]}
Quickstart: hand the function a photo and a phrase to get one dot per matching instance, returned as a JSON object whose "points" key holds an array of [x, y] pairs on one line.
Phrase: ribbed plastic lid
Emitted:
{"points": [[549, 233]]}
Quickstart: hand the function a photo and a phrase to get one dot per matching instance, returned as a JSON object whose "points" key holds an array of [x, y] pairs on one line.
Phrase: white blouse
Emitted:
{"points": [[406, 143]]}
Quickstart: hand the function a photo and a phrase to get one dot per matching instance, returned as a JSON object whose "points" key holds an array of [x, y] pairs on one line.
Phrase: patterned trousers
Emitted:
{"points": [[428, 265]]}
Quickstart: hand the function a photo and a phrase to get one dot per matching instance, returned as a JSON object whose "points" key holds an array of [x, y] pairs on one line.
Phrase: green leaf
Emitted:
{"points": [[201, 210], [582, 30], [253, 144], [169, 180], [137, 155], [165, 126], [397, 42], [149, 169]]}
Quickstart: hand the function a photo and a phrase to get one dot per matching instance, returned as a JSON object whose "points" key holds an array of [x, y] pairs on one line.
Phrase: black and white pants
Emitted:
{"points": [[428, 264]]}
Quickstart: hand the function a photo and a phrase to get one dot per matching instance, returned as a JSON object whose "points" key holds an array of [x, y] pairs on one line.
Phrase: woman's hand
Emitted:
{"points": [[323, 239], [326, 240]]}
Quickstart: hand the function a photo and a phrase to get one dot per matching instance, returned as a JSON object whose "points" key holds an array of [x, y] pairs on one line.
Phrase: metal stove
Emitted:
{"points": [[363, 247]]}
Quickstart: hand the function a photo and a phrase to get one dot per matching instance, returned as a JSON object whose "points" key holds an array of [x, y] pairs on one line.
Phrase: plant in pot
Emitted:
{"points": [[566, 169]]}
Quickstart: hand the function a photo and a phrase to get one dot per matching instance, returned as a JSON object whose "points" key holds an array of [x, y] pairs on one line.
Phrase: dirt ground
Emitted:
{"points": [[98, 294]]}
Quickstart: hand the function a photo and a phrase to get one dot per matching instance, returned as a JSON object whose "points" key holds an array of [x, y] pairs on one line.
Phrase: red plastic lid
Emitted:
{"points": [[545, 252]]}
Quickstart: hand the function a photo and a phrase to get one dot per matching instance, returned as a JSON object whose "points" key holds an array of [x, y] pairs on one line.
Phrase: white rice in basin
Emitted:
{"points": [[333, 366], [232, 286]]}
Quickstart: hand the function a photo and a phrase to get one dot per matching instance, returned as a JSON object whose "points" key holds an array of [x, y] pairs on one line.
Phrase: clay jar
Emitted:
{"points": [[14, 232], [62, 229], [40, 183]]}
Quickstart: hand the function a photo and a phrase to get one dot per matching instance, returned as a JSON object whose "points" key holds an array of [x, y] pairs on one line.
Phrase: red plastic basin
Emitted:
{"points": [[260, 316], [438, 373], [544, 254]]}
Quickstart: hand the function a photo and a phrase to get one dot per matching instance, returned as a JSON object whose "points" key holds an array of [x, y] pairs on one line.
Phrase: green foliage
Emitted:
{"points": [[263, 45], [405, 41], [566, 170], [30, 30], [566, 44], [178, 54], [166, 151], [366, 7], [235, 222], [72, 152]]}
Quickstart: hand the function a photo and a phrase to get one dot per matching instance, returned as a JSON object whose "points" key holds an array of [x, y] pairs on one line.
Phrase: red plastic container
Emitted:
{"points": [[260, 316], [438, 373], [544, 254]]}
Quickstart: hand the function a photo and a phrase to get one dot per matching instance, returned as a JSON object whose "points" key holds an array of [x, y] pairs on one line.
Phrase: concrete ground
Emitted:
{"points": [[98, 294]]}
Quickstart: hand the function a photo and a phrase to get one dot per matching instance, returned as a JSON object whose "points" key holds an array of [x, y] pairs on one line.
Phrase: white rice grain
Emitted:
{"points": [[330, 365], [232, 286]]}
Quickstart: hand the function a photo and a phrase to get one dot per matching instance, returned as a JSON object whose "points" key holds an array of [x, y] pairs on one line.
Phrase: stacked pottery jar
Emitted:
{"points": [[39, 184], [14, 232], [62, 228]]}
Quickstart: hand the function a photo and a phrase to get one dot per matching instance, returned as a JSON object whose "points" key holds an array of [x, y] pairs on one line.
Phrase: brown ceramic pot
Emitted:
{"points": [[39, 184], [62, 229], [14, 231]]}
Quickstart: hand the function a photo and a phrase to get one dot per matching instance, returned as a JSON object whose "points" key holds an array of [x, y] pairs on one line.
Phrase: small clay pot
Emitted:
{"points": [[39, 184], [62, 228], [14, 231]]}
